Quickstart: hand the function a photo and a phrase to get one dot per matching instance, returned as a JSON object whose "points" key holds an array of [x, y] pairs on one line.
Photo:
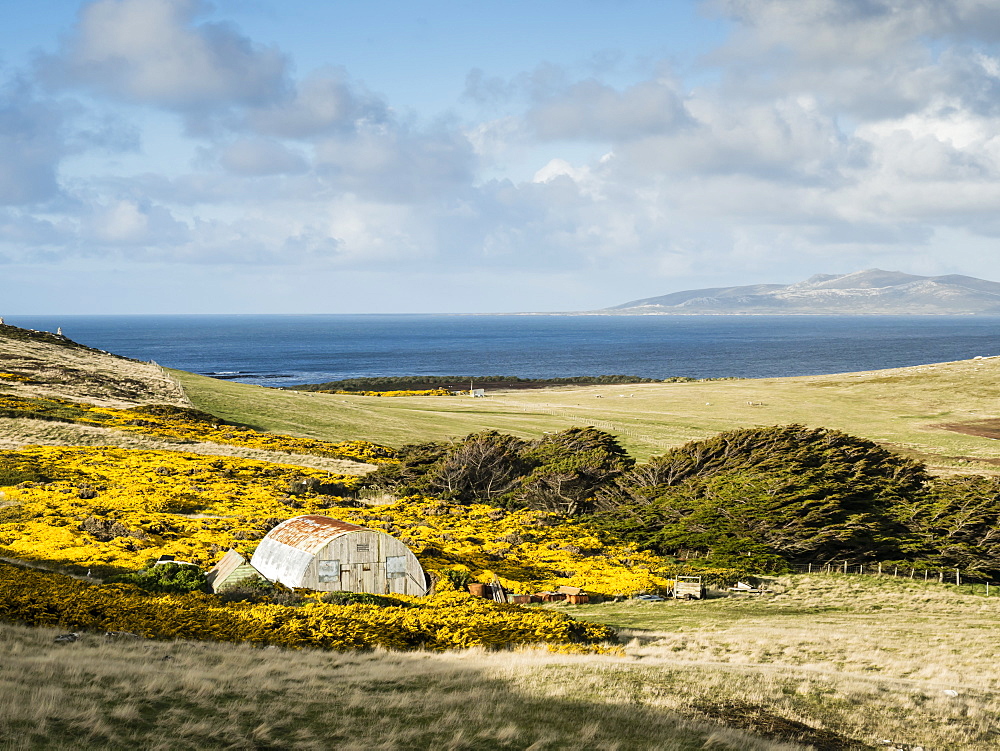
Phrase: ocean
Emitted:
{"points": [[283, 350]]}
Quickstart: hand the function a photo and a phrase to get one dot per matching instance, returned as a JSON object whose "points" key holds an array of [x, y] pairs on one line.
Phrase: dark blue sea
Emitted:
{"points": [[281, 350]]}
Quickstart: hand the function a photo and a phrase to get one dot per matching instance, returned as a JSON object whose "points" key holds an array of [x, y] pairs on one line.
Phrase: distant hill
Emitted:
{"points": [[871, 292]]}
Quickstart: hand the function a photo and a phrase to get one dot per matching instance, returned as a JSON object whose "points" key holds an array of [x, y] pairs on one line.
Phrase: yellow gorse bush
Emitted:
{"points": [[112, 509], [168, 423], [165, 502], [445, 621]]}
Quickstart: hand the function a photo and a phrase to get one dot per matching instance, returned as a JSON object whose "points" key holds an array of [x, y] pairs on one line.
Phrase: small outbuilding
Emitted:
{"points": [[320, 553], [231, 570]]}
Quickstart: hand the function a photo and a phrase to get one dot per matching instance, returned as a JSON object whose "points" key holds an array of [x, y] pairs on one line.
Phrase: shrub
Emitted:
{"points": [[360, 598], [172, 578]]}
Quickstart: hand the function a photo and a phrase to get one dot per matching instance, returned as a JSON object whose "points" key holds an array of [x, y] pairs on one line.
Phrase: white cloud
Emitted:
{"points": [[324, 102], [128, 222], [32, 143], [394, 164], [152, 52]]}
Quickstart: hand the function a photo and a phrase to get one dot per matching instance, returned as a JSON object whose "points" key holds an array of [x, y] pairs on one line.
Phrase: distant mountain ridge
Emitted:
{"points": [[870, 292]]}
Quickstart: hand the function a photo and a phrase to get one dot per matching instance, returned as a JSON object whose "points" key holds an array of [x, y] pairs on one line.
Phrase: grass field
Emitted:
{"points": [[833, 662], [904, 408]]}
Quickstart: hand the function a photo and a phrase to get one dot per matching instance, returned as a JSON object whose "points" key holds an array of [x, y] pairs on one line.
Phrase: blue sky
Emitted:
{"points": [[172, 156]]}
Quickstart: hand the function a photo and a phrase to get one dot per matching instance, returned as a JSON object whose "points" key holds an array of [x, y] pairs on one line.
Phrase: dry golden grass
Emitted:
{"points": [[101, 694], [85, 375], [833, 662], [873, 658]]}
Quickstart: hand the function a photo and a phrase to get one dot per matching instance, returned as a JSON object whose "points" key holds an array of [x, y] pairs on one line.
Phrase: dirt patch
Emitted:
{"points": [[981, 428]]}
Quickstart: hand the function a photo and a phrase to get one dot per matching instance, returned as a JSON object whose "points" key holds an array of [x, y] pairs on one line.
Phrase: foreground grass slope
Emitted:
{"points": [[913, 410], [828, 662], [101, 694]]}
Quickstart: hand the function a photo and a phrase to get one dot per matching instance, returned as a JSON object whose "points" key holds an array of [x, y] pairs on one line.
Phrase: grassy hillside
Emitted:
{"points": [[41, 364], [913, 410]]}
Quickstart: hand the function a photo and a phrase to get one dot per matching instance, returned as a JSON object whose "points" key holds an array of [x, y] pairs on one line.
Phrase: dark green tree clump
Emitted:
{"points": [[172, 578], [559, 472], [788, 492], [418, 383], [761, 497], [955, 522]]}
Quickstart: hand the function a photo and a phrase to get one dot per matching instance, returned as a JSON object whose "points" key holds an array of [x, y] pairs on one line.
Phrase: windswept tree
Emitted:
{"points": [[481, 467], [795, 492], [955, 522], [560, 472], [569, 468]]}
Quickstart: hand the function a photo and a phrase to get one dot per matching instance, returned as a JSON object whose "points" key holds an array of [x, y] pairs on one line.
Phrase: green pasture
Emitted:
{"points": [[904, 408]]}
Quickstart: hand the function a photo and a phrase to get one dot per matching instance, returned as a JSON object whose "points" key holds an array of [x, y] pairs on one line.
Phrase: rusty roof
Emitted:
{"points": [[311, 532]]}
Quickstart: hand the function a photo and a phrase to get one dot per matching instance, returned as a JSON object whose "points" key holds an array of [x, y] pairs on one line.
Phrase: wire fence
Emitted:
{"points": [[973, 581]]}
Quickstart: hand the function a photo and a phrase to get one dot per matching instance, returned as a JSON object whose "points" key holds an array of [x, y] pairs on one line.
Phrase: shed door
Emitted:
{"points": [[346, 579], [395, 574], [368, 577]]}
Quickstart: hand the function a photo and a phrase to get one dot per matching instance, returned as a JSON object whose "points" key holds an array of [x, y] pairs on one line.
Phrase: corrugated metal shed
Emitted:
{"points": [[329, 555], [231, 569]]}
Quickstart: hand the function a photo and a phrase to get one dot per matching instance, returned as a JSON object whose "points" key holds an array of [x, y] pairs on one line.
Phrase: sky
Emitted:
{"points": [[446, 156]]}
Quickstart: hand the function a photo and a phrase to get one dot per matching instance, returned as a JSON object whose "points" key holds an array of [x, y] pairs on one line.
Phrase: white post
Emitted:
{"points": [[958, 577]]}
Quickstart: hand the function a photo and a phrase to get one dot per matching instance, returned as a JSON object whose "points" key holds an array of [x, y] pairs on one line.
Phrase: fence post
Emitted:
{"points": [[895, 570], [845, 567], [880, 568], [810, 568], [925, 574], [958, 578]]}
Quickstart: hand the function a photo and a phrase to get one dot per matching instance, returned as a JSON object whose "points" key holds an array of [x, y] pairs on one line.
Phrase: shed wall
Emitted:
{"points": [[357, 561]]}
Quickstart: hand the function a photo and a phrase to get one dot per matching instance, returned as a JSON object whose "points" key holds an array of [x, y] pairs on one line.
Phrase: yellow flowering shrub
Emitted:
{"points": [[446, 621], [187, 425], [109, 508], [112, 509], [527, 551]]}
